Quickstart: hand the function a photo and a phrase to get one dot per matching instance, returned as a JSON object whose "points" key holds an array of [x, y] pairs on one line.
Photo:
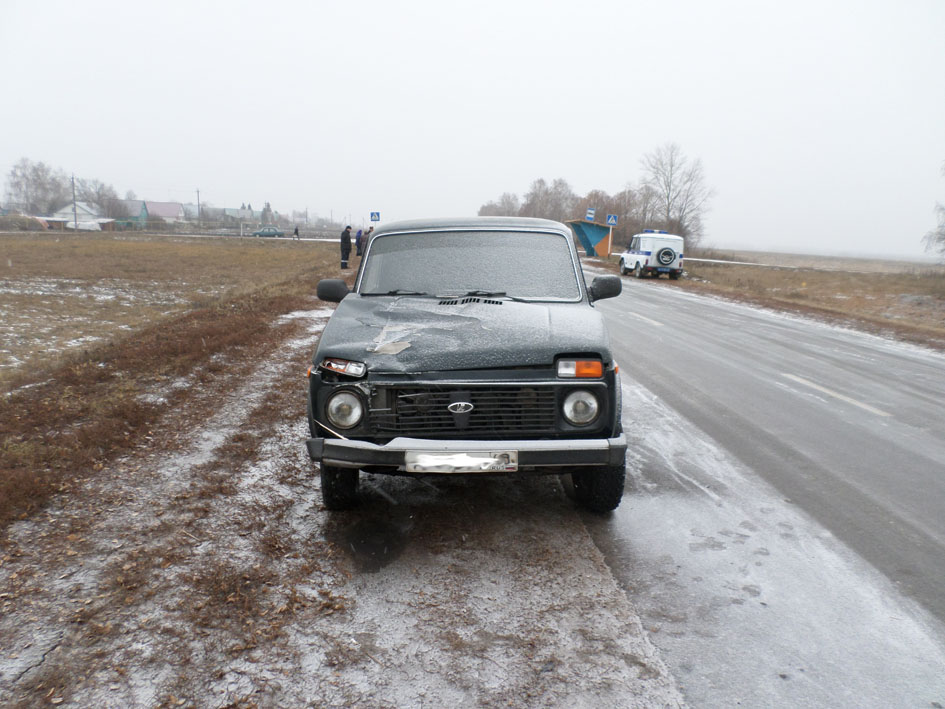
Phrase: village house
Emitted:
{"points": [[170, 212]]}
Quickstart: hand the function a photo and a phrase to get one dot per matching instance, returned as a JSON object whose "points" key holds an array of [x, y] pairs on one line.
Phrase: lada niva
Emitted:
{"points": [[472, 347]]}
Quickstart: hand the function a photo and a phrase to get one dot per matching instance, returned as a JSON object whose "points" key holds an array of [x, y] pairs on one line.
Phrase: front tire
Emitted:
{"points": [[623, 268], [339, 487], [599, 489]]}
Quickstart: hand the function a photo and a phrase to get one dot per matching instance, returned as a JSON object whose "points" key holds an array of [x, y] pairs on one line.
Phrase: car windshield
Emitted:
{"points": [[529, 265]]}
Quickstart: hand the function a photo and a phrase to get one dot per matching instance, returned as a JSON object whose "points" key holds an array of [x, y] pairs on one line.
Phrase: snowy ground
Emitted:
{"points": [[40, 316], [202, 571]]}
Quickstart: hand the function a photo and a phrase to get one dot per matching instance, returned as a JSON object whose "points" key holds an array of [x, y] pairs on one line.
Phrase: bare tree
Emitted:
{"points": [[508, 205], [555, 201], [679, 188], [535, 203], [935, 239], [117, 209], [602, 202], [98, 194], [562, 201], [37, 188]]}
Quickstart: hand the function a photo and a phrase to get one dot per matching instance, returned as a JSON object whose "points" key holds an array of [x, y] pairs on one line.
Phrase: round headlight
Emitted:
{"points": [[344, 409], [580, 407]]}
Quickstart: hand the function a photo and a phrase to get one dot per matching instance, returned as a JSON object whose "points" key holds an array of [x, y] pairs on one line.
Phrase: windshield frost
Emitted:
{"points": [[521, 265]]}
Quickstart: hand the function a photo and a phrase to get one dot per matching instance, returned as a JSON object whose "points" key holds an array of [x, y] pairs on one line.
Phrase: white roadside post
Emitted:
{"points": [[611, 222]]}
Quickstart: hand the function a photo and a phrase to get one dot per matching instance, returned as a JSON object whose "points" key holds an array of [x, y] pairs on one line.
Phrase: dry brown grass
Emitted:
{"points": [[903, 299], [64, 293], [898, 298], [64, 420]]}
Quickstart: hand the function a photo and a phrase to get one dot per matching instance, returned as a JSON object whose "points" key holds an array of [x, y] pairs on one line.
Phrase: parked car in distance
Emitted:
{"points": [[651, 253], [269, 231], [468, 346]]}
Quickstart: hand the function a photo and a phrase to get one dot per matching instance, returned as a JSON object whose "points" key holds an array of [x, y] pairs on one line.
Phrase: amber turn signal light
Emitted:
{"points": [[580, 368]]}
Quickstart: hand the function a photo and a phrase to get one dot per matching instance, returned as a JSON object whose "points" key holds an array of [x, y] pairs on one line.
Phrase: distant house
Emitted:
{"points": [[191, 211], [81, 216], [84, 212], [168, 211], [128, 212]]}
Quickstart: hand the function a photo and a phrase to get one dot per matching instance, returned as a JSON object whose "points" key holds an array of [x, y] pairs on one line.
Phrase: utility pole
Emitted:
{"points": [[75, 218], [198, 206]]}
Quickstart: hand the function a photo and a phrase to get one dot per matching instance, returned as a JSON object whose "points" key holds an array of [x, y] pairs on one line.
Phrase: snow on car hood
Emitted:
{"points": [[414, 334]]}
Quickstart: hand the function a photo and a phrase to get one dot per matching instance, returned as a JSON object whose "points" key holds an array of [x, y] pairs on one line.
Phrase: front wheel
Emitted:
{"points": [[599, 489], [623, 268], [339, 487]]}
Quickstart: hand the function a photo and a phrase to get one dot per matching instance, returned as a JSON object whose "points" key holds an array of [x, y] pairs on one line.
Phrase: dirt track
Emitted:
{"points": [[203, 571]]}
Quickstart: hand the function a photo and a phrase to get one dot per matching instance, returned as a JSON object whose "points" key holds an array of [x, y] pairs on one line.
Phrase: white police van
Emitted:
{"points": [[651, 253]]}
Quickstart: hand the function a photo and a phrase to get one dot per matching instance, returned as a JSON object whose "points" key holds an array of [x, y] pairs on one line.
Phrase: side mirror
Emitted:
{"points": [[332, 290], [605, 287]]}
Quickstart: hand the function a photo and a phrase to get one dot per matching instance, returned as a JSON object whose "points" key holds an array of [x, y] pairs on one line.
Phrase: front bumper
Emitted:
{"points": [[531, 454]]}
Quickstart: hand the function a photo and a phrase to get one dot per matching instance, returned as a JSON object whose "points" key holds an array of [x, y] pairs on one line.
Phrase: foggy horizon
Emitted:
{"points": [[820, 128]]}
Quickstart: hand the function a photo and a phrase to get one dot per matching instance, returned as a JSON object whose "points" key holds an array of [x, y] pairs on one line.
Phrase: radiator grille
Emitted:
{"points": [[498, 412]]}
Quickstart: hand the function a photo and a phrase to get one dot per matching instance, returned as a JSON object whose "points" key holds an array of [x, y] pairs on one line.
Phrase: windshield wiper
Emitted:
{"points": [[490, 294], [486, 293], [399, 291]]}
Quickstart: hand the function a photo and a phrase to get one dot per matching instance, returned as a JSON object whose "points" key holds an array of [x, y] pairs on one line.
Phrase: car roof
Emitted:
{"points": [[658, 235], [473, 224]]}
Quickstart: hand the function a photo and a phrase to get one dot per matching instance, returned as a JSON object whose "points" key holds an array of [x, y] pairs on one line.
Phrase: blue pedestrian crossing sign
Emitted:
{"points": [[375, 216], [589, 217], [611, 220]]}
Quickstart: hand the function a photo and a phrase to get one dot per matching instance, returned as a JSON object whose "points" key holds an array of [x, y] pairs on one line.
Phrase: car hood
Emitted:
{"points": [[411, 334]]}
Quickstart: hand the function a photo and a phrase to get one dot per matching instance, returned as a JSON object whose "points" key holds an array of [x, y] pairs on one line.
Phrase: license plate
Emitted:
{"points": [[461, 462], [663, 270]]}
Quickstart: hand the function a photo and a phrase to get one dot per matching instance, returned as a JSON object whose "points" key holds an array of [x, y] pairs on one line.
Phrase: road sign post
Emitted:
{"points": [[611, 222]]}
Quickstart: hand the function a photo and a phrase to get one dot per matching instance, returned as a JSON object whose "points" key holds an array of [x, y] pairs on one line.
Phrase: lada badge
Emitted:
{"points": [[460, 407]]}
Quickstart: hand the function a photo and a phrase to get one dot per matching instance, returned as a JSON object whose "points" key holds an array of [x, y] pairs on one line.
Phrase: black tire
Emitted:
{"points": [[674, 275], [623, 268], [339, 487], [638, 271], [600, 489]]}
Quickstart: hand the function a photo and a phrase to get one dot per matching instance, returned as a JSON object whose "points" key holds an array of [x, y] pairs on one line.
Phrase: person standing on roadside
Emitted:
{"points": [[296, 232], [357, 242], [345, 246]]}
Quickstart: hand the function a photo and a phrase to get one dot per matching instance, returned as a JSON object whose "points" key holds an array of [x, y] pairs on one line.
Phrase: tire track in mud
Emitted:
{"points": [[202, 570]]}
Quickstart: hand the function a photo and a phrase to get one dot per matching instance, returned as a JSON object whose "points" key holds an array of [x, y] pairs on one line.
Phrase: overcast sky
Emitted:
{"points": [[820, 125]]}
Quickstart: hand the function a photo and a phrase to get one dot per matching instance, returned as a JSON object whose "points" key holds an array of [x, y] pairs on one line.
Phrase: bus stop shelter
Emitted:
{"points": [[595, 238]]}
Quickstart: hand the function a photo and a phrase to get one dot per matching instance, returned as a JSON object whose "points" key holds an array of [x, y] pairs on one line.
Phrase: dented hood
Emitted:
{"points": [[407, 334]]}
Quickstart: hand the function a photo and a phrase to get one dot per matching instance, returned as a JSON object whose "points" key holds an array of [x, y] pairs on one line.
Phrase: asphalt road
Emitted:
{"points": [[783, 535]]}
